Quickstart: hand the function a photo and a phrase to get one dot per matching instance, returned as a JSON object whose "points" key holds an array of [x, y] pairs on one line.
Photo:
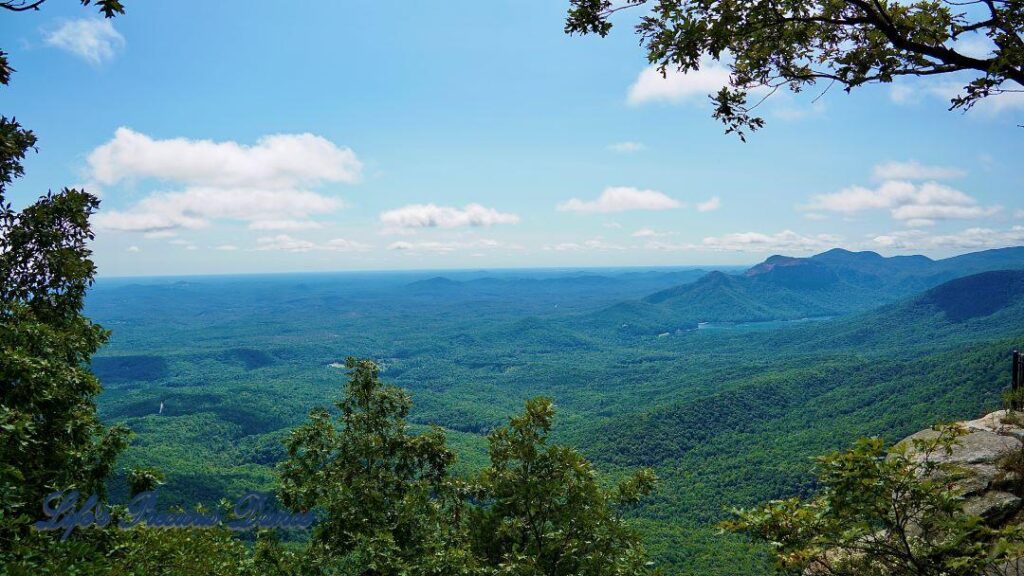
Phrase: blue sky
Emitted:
{"points": [[228, 137]]}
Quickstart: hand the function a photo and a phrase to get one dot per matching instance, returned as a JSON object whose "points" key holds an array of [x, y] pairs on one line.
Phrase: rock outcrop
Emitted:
{"points": [[990, 453]]}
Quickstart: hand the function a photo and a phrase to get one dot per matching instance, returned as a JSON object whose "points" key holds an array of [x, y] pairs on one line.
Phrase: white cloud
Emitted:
{"points": [[144, 221], [93, 39], [1018, 214], [264, 184], [903, 94], [905, 201], [969, 239], [285, 225], [343, 245], [901, 239], [650, 233], [922, 212], [186, 244], [159, 234], [975, 45], [433, 216], [622, 199], [713, 203], [786, 241], [913, 92], [286, 243], [197, 207], [919, 223], [279, 161], [134, 249], [450, 246], [814, 216], [613, 225], [675, 86], [625, 147], [695, 86], [595, 244], [227, 247], [913, 170]]}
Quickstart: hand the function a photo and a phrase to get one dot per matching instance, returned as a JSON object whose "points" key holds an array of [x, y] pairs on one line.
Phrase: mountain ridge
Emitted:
{"points": [[832, 283]]}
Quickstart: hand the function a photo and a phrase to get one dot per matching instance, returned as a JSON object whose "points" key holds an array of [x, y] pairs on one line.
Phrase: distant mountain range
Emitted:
{"points": [[959, 316], [832, 283]]}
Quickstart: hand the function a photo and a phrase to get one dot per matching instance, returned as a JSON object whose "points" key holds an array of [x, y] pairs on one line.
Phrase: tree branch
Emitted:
{"points": [[21, 6], [941, 53]]}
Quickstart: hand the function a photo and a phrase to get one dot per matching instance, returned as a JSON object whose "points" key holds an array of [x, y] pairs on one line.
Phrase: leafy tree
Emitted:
{"points": [[544, 511], [894, 513], [795, 43], [143, 480], [387, 502], [50, 435]]}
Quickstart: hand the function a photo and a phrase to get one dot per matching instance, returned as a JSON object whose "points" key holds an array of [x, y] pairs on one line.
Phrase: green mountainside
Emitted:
{"points": [[728, 414], [832, 283]]}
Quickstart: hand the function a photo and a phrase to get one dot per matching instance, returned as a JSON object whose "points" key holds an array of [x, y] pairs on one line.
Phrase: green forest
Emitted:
{"points": [[726, 416], [603, 421]]}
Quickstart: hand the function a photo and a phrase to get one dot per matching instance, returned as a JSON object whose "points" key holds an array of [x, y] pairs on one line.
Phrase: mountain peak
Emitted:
{"points": [[434, 282], [841, 254], [776, 261], [716, 278]]}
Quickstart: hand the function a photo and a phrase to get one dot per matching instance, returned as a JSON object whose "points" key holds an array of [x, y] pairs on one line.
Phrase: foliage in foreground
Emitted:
{"points": [[389, 504], [877, 512], [50, 435], [772, 44]]}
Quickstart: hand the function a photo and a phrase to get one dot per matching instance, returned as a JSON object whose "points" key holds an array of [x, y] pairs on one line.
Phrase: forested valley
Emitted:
{"points": [[213, 373]]}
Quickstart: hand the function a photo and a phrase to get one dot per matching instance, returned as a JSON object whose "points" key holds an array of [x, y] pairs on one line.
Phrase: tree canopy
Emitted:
{"points": [[882, 511], [389, 505], [771, 44]]}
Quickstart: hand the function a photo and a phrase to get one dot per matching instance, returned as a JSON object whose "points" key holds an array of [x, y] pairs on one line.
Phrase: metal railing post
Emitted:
{"points": [[1015, 403]]}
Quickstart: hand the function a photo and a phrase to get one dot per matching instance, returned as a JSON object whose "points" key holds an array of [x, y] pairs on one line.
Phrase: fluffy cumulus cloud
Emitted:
{"points": [[433, 216], [968, 239], [197, 207], [913, 170], [710, 205], [915, 204], [286, 243], [622, 199], [675, 86], [266, 184], [94, 39], [280, 161]]}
